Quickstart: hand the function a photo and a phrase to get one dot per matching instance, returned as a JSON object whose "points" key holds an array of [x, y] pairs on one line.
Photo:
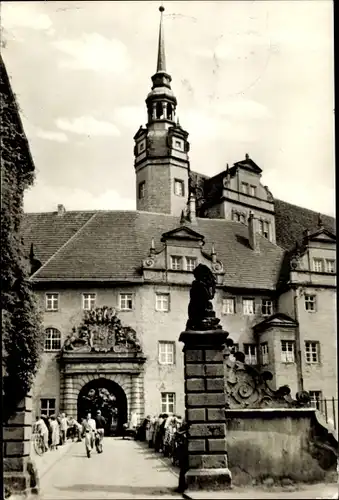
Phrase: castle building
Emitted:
{"points": [[114, 285]]}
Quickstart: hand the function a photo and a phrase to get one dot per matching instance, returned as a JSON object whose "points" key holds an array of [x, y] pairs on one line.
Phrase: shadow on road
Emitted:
{"points": [[132, 490]]}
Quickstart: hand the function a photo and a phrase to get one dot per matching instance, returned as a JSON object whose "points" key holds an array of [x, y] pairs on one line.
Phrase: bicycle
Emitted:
{"points": [[38, 443]]}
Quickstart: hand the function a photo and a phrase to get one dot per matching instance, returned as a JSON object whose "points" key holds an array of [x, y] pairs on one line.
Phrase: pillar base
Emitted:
{"points": [[208, 479]]}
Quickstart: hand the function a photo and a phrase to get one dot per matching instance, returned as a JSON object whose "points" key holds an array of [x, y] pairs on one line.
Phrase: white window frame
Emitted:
{"points": [[142, 190], [52, 301], [160, 302], [245, 187], [316, 399], [168, 402], [266, 305], [330, 266], [228, 305], [250, 351], [312, 352], [264, 353], [179, 182], [310, 299], [166, 352], [246, 309], [288, 352], [318, 265], [126, 301], [88, 301], [253, 190], [177, 258], [189, 261], [52, 341], [50, 409]]}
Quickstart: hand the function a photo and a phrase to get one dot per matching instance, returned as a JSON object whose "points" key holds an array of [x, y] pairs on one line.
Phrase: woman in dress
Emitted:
{"points": [[55, 432]]}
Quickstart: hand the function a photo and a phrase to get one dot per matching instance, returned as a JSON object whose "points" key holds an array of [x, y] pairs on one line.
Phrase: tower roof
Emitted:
{"points": [[161, 64]]}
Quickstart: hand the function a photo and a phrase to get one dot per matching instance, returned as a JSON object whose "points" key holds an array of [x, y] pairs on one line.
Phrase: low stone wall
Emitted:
{"points": [[277, 443]]}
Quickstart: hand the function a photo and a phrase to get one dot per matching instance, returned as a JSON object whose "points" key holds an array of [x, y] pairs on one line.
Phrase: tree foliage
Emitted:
{"points": [[22, 333]]}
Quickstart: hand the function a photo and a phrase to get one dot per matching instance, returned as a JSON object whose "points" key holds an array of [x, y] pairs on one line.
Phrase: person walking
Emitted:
{"points": [[55, 433], [42, 429], [63, 428], [89, 428], [100, 423]]}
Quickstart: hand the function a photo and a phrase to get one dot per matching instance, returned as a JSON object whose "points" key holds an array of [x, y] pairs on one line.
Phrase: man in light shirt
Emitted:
{"points": [[90, 426], [63, 428]]}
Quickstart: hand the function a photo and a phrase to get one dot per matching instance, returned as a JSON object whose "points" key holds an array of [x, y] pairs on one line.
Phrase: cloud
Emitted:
{"points": [[24, 15], [130, 116], [45, 198], [87, 125], [242, 108], [51, 135], [94, 52]]}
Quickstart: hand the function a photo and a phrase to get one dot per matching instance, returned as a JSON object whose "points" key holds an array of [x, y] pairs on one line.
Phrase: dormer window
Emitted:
{"points": [[330, 266], [179, 187], [142, 190], [253, 191], [245, 187], [191, 263], [264, 228], [176, 263], [318, 265]]}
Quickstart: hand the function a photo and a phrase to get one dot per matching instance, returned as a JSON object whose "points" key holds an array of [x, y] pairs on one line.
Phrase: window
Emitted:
{"points": [[264, 228], [228, 305], [318, 265], [264, 353], [52, 301], [236, 216], [245, 187], [312, 352], [142, 189], [176, 263], [250, 354], [178, 144], [310, 303], [191, 263], [330, 266], [52, 339], [162, 302], [266, 307], [287, 351], [47, 407], [141, 146], [179, 187], [316, 399], [168, 402], [166, 353], [248, 306], [126, 302], [88, 301], [253, 190]]}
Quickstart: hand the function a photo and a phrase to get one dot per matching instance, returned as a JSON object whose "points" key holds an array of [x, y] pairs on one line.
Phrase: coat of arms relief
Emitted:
{"points": [[101, 331]]}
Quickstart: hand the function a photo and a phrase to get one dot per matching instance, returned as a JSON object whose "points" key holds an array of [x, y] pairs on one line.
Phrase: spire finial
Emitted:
{"points": [[161, 65]]}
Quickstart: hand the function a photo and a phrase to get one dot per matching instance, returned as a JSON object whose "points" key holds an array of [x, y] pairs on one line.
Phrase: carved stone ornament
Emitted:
{"points": [[149, 262], [200, 309], [246, 387], [101, 331], [217, 267]]}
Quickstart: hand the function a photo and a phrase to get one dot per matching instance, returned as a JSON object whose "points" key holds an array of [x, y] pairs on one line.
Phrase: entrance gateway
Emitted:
{"points": [[102, 367]]}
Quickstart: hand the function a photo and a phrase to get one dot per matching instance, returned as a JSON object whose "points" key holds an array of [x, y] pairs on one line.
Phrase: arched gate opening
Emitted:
{"points": [[108, 397]]}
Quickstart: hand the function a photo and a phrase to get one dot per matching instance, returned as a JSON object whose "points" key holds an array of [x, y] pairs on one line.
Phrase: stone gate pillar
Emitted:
{"points": [[205, 409]]}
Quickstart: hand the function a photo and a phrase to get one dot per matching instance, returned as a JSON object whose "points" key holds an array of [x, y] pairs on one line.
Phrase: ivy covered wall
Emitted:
{"points": [[22, 334]]}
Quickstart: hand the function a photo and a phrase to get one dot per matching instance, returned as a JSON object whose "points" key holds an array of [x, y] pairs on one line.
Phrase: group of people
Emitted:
{"points": [[55, 430]]}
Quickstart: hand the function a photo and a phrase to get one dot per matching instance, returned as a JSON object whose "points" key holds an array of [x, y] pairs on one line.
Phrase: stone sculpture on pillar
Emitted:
{"points": [[205, 393]]}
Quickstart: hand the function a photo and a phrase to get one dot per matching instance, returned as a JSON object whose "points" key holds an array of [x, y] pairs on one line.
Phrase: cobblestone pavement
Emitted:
{"points": [[126, 469]]}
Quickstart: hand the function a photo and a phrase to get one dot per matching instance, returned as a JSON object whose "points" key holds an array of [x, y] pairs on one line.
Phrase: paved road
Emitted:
{"points": [[126, 469]]}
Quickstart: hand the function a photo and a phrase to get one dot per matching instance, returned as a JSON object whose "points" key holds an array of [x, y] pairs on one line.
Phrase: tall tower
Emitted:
{"points": [[161, 148]]}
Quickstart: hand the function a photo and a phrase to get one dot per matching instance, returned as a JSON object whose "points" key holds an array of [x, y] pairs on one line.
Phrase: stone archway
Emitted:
{"points": [[108, 397]]}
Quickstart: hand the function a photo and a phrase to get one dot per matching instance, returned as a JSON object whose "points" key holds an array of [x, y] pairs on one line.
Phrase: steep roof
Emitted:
{"points": [[291, 221], [111, 246]]}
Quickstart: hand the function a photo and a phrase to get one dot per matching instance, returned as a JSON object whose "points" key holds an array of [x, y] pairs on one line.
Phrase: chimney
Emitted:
{"points": [[252, 233], [192, 209], [61, 210]]}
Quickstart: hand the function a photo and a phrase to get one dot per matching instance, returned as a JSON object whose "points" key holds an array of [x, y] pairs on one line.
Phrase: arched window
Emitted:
{"points": [[169, 111], [160, 111], [52, 339]]}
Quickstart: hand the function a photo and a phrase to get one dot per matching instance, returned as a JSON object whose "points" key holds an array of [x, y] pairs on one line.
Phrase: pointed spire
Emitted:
{"points": [[161, 64], [152, 249], [182, 218], [213, 253]]}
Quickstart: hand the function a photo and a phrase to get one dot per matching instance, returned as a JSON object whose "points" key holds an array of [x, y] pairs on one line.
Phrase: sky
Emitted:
{"points": [[250, 77]]}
